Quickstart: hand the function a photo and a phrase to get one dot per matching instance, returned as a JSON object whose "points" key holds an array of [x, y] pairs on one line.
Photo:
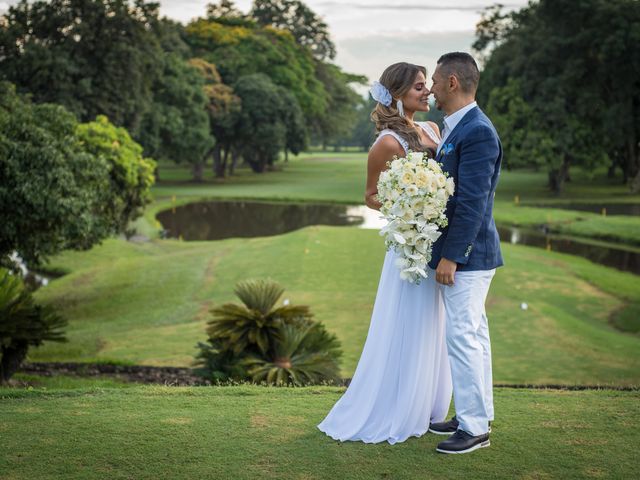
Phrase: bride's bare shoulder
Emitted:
{"points": [[384, 150], [435, 127]]}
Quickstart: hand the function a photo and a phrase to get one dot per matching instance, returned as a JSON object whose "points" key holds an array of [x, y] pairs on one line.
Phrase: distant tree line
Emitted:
{"points": [[561, 81], [225, 87]]}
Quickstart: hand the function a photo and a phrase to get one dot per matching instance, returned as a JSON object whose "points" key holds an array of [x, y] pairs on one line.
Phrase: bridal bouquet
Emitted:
{"points": [[414, 193]]}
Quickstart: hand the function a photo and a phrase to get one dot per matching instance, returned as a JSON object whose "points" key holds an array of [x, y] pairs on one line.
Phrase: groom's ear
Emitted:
{"points": [[454, 84]]}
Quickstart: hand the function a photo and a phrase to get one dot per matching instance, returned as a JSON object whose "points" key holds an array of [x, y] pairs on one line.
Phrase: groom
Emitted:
{"points": [[466, 255]]}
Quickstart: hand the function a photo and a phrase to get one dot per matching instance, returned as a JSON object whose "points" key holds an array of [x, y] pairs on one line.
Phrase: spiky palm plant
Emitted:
{"points": [[301, 355], [243, 328], [260, 342], [23, 323]]}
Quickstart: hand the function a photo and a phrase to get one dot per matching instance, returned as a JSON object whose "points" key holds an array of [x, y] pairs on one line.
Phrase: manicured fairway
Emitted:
{"points": [[148, 303]]}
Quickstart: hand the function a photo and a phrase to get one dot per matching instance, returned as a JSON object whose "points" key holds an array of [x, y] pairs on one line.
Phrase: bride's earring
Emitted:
{"points": [[400, 108]]}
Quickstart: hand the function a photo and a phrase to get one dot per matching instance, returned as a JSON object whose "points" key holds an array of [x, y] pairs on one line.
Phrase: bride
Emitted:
{"points": [[402, 381]]}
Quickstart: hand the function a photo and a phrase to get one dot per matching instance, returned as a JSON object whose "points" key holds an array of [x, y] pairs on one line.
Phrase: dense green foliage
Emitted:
{"points": [[223, 109], [261, 342], [23, 323], [82, 53], [130, 175], [95, 57], [562, 85], [293, 15], [64, 184], [233, 49], [52, 192], [267, 123], [177, 126]]}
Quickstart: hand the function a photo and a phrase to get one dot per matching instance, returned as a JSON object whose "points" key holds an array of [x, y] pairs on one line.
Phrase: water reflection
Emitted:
{"points": [[227, 219], [632, 209], [620, 258]]}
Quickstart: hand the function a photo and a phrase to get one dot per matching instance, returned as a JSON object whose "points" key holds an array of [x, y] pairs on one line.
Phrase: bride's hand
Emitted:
{"points": [[371, 200], [381, 153]]}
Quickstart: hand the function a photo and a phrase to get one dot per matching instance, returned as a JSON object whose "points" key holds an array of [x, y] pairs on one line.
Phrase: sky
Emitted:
{"points": [[372, 34]]}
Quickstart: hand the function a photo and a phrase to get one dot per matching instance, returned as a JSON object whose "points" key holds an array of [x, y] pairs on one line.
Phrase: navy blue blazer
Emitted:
{"points": [[471, 154]]}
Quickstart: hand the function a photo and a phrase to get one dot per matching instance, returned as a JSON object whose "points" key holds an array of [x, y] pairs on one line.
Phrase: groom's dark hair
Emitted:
{"points": [[463, 67]]}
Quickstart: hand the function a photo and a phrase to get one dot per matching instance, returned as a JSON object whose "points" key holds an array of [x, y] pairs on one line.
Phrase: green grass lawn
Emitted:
{"points": [[249, 432], [148, 303]]}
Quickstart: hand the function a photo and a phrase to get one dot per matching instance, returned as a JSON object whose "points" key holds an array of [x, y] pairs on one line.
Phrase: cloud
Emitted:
{"points": [[370, 54], [411, 6]]}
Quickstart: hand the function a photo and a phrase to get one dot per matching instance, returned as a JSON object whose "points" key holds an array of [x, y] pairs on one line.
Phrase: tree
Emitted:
{"points": [[364, 130], [527, 144], [261, 125], [223, 109], [23, 323], [246, 49], [52, 192], [224, 10], [130, 174], [264, 343], [177, 125], [81, 54], [339, 118], [293, 15], [577, 66], [297, 135]]}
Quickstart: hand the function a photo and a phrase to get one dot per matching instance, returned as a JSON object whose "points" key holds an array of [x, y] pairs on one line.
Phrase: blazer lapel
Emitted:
{"points": [[470, 115]]}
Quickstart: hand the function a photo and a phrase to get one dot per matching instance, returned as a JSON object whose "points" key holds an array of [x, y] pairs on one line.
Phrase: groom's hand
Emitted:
{"points": [[446, 271]]}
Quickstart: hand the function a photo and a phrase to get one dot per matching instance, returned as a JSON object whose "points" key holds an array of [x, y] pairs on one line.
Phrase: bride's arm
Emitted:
{"points": [[381, 153]]}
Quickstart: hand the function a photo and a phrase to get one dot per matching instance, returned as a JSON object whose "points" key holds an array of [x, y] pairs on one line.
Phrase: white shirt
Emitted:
{"points": [[450, 122]]}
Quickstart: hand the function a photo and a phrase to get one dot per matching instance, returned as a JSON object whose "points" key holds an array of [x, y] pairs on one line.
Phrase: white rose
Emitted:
{"points": [[429, 211], [442, 180], [407, 178], [417, 204], [433, 185], [412, 190], [416, 157], [408, 214], [421, 179], [441, 195], [451, 186], [408, 166], [433, 165]]}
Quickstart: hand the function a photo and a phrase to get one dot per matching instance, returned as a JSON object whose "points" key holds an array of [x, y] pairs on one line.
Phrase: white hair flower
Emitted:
{"points": [[380, 93]]}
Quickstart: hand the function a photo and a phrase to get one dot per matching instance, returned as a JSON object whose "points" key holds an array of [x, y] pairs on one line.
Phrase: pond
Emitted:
{"points": [[217, 220], [228, 219], [632, 209], [620, 258]]}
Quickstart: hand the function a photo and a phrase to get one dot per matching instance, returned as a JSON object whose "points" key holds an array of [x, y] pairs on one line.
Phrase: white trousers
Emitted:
{"points": [[469, 349]]}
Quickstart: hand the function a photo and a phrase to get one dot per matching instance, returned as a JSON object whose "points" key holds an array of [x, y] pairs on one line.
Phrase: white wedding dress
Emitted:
{"points": [[402, 381]]}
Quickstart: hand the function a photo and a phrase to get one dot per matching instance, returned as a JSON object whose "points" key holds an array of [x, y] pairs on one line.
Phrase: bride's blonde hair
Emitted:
{"points": [[398, 79]]}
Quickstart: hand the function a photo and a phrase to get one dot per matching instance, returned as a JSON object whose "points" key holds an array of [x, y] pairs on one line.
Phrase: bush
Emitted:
{"points": [[23, 323], [258, 342]]}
